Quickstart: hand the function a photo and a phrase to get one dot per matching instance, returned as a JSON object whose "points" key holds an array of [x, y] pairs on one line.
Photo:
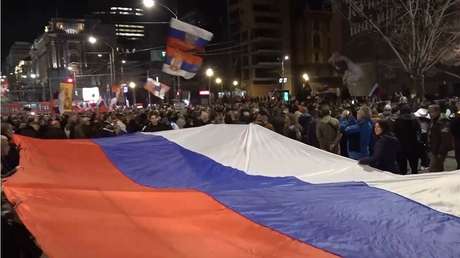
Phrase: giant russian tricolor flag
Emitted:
{"points": [[183, 41], [226, 191]]}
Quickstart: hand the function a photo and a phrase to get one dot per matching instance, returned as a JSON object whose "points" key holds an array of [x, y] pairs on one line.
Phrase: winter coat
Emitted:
{"points": [[408, 131], [327, 130], [439, 137], [359, 135], [54, 133], [385, 154]]}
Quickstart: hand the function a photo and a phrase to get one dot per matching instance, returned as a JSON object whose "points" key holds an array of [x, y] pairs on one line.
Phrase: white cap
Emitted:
{"points": [[422, 112]]}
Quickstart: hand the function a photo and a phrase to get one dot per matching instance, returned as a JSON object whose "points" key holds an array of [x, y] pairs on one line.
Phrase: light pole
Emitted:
{"points": [[209, 74], [132, 85], [284, 79], [93, 40], [219, 82]]}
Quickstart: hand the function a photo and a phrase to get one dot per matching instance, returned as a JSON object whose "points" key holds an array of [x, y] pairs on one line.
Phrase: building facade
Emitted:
{"points": [[262, 37], [318, 32], [18, 51], [63, 52]]}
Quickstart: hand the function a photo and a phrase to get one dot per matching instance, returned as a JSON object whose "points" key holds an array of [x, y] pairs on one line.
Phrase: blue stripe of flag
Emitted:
{"points": [[348, 219]]}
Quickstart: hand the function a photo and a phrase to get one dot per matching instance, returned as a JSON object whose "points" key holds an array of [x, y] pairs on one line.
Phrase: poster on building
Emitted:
{"points": [[65, 97]]}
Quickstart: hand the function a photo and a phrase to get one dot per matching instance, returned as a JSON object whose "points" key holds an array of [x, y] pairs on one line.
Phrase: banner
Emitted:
{"points": [[65, 97], [158, 89], [183, 40]]}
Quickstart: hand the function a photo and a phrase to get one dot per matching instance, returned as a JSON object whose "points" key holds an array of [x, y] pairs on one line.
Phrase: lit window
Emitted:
{"points": [[130, 34], [139, 14], [112, 12], [129, 30]]}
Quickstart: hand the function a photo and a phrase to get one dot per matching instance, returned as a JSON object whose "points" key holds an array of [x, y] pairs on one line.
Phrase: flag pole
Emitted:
{"points": [[150, 101]]}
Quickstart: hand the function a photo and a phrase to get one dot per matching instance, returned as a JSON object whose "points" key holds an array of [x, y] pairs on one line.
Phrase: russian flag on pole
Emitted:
{"points": [[226, 191], [183, 41]]}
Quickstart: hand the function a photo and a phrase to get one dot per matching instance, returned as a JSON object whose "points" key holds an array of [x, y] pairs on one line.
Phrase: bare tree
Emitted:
{"points": [[419, 32]]}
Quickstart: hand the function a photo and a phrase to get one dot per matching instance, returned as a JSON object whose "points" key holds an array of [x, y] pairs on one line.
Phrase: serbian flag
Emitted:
{"points": [[158, 89], [183, 41], [226, 191]]}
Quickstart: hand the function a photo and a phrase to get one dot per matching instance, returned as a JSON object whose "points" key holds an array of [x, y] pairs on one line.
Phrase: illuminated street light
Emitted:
{"points": [[132, 85], [123, 61], [92, 40], [235, 83], [305, 77], [209, 72], [99, 55], [148, 3], [218, 80], [286, 57], [33, 76]]}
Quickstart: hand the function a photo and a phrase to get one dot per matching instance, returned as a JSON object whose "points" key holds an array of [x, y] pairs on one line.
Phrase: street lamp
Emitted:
{"points": [[123, 61], [149, 3], [219, 82], [209, 74], [132, 85], [92, 40], [305, 77], [235, 83], [285, 58], [33, 76]]}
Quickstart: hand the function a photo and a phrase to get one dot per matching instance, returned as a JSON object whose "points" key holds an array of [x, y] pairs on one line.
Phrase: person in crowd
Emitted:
{"points": [[262, 120], [407, 130], [424, 121], [328, 131], [292, 129], [54, 131], [439, 137], [304, 121], [30, 129], [345, 118], [155, 125], [9, 150], [312, 139], [455, 129], [359, 134], [386, 147]]}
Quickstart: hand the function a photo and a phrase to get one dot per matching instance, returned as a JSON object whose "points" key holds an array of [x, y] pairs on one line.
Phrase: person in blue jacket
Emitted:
{"points": [[358, 133]]}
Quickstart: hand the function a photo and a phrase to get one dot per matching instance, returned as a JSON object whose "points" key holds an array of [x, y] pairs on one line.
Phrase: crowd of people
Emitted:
{"points": [[387, 135]]}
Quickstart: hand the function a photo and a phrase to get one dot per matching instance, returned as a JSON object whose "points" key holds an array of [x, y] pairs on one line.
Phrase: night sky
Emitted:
{"points": [[24, 20]]}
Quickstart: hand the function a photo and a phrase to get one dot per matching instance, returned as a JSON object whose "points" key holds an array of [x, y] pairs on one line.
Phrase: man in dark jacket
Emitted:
{"points": [[440, 139], [155, 125], [54, 131], [407, 130]]}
